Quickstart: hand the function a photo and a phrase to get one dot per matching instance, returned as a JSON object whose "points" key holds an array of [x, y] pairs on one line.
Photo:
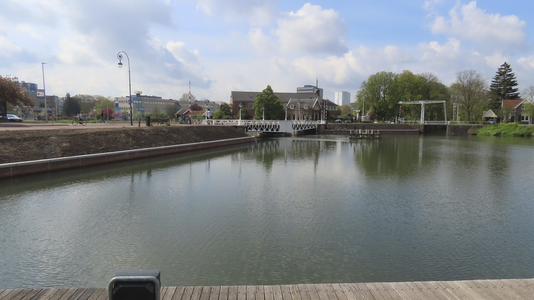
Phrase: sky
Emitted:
{"points": [[244, 45]]}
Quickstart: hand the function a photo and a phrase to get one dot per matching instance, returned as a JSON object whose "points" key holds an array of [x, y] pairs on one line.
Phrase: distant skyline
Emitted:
{"points": [[245, 45]]}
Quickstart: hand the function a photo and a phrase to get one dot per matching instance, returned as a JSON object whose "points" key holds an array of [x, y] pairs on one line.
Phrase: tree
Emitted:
{"points": [[71, 107], [185, 97], [224, 112], [274, 110], [11, 92], [345, 111], [503, 86], [381, 93], [528, 93], [469, 90]]}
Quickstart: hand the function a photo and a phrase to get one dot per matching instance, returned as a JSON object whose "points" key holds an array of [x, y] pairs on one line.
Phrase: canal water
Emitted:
{"points": [[310, 209]]}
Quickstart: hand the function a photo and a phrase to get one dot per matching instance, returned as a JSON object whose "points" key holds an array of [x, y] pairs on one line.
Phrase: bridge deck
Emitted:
{"points": [[473, 289]]}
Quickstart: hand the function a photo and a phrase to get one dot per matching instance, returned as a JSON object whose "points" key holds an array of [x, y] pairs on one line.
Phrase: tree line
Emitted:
{"points": [[471, 94]]}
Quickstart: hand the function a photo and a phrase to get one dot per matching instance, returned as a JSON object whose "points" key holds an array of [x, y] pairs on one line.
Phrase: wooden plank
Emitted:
{"points": [[215, 292], [188, 293], [86, 294], [277, 292], [393, 291], [377, 293], [259, 292], [251, 292], [77, 294], [268, 292], [455, 290], [505, 291], [169, 293], [223, 293], [96, 294], [303, 292], [426, 291], [197, 292], [58, 294], [14, 294], [339, 292], [205, 293], [232, 293], [351, 292], [180, 293], [295, 293], [311, 291], [320, 292], [330, 293], [444, 290], [68, 294], [242, 292], [483, 290], [45, 294], [104, 295], [364, 290]]}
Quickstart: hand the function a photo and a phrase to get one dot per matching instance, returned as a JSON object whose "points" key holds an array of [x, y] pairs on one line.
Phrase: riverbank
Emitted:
{"points": [[509, 129], [29, 145]]}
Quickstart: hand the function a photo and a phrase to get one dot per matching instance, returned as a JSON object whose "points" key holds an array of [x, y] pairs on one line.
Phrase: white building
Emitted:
{"points": [[342, 98]]}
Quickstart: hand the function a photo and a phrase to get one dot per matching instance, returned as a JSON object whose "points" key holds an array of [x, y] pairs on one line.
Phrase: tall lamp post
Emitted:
{"points": [[240, 112], [119, 56], [44, 93], [263, 108]]}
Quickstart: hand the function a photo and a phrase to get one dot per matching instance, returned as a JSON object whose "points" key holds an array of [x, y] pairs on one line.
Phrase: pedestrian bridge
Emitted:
{"points": [[267, 125]]}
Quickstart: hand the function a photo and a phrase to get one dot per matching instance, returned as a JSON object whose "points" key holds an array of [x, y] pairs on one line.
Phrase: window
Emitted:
{"points": [[251, 105], [292, 106], [305, 106]]}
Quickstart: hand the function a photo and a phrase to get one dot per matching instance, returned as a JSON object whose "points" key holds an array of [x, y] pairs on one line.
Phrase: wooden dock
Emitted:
{"points": [[472, 290]]}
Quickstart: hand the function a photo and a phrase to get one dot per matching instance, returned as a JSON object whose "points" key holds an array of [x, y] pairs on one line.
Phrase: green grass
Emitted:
{"points": [[509, 129]]}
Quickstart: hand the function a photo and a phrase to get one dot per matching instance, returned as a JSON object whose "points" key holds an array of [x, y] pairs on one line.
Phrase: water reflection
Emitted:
{"points": [[291, 210]]}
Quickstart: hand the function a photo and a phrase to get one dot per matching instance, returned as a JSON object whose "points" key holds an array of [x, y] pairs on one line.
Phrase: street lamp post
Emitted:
{"points": [[263, 108], [240, 112], [44, 93], [119, 56]]}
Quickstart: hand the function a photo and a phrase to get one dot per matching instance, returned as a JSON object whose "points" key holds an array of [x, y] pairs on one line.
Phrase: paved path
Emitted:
{"points": [[472, 290]]}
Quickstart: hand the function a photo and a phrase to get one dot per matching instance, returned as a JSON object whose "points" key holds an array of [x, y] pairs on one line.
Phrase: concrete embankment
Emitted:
{"points": [[29, 152]]}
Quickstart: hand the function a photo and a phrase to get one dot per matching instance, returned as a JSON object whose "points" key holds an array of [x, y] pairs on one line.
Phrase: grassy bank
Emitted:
{"points": [[509, 129]]}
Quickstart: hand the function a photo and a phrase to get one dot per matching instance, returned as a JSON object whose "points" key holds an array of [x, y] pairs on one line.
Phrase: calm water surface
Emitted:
{"points": [[283, 211]]}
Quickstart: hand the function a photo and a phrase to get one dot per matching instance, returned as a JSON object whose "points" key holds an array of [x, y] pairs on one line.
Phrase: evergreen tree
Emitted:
{"points": [[71, 107], [503, 87]]}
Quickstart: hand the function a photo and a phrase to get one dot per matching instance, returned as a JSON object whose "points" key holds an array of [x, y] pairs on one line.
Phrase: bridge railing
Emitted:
{"points": [[263, 125]]}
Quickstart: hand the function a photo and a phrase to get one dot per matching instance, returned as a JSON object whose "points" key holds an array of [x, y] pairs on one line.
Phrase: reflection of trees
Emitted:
{"points": [[389, 155], [295, 149]]}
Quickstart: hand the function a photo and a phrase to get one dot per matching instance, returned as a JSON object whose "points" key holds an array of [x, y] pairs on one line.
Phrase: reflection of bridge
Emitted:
{"points": [[267, 125]]}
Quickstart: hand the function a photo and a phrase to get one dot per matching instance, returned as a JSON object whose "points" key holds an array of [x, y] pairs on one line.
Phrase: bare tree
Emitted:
{"points": [[469, 90], [528, 93]]}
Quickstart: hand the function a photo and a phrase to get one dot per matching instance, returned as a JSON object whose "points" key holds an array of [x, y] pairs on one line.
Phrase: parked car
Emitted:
{"points": [[338, 121], [13, 118], [491, 121]]}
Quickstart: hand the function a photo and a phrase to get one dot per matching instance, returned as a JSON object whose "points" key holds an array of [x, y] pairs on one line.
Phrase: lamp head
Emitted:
{"points": [[120, 64]]}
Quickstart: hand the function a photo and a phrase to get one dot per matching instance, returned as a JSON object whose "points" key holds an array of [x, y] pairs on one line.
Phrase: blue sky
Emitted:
{"points": [[246, 45]]}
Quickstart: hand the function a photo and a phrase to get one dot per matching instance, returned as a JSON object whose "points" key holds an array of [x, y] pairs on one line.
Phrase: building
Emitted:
{"points": [[514, 111], [310, 89], [342, 98], [145, 105], [246, 99], [303, 109]]}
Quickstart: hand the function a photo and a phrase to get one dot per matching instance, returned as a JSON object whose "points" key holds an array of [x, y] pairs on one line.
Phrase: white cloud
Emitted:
{"points": [[491, 31], [434, 51], [257, 12], [526, 62], [262, 43], [7, 48], [496, 60], [190, 59], [312, 30]]}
